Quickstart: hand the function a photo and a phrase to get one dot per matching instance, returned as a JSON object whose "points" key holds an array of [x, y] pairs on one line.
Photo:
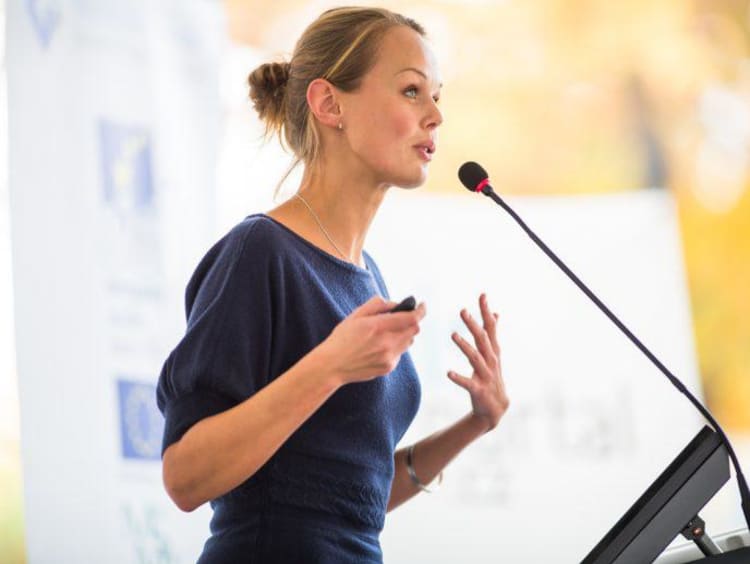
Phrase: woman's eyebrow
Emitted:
{"points": [[419, 72]]}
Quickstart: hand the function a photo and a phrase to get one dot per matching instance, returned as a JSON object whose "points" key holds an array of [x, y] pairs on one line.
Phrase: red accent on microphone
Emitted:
{"points": [[482, 184]]}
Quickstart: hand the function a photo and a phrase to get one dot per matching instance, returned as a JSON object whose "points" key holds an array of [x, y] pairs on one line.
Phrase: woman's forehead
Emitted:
{"points": [[403, 51]]}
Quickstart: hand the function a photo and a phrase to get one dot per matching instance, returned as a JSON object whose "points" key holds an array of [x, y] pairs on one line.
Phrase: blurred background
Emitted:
{"points": [[556, 98], [577, 96]]}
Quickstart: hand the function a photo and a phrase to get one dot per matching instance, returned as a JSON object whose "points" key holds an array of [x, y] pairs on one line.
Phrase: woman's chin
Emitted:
{"points": [[411, 186], [413, 181]]}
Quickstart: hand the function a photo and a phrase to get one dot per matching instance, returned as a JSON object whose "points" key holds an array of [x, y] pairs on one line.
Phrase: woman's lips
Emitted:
{"points": [[425, 151]]}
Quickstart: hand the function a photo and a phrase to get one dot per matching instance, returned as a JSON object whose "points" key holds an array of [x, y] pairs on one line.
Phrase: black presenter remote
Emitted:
{"points": [[406, 305]]}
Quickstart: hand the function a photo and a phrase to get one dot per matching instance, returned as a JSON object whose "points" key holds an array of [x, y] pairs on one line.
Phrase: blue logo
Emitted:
{"points": [[141, 423], [126, 167], [45, 17]]}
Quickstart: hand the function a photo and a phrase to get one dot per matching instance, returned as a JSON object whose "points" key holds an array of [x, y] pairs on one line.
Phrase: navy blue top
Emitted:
{"points": [[260, 299]]}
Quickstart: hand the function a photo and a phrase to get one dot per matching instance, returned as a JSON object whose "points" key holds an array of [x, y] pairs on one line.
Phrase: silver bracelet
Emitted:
{"points": [[413, 474]]}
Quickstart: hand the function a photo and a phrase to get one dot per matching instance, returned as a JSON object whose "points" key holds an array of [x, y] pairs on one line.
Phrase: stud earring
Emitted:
{"points": [[341, 126]]}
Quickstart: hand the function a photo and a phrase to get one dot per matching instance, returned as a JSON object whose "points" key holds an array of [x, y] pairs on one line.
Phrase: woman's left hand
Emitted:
{"points": [[486, 387]]}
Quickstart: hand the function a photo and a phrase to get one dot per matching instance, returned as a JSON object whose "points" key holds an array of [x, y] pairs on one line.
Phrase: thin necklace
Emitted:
{"points": [[323, 229]]}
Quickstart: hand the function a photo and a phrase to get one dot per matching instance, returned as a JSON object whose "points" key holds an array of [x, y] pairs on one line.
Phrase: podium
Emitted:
{"points": [[739, 556], [669, 507]]}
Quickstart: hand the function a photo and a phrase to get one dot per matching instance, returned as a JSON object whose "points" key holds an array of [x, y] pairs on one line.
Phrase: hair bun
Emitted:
{"points": [[267, 87]]}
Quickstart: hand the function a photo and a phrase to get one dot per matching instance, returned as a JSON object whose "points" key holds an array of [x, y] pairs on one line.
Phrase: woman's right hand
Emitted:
{"points": [[369, 342], [222, 451]]}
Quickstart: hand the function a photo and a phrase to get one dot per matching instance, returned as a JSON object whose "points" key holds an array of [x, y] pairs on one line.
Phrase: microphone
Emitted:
{"points": [[476, 179]]}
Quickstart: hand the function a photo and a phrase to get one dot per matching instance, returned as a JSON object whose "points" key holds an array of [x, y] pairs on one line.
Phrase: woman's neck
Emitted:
{"points": [[341, 210]]}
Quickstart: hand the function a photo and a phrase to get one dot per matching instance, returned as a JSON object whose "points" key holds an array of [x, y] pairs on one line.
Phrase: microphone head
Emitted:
{"points": [[473, 176]]}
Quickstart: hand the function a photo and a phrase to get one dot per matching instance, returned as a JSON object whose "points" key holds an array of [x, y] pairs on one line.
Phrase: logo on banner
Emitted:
{"points": [[145, 522], [45, 17], [141, 423], [126, 167]]}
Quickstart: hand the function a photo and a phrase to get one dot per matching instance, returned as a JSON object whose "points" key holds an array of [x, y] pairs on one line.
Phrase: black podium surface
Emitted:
{"points": [[739, 556]]}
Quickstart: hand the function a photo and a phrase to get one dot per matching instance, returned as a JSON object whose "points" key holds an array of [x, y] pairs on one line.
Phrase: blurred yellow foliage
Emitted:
{"points": [[11, 503]]}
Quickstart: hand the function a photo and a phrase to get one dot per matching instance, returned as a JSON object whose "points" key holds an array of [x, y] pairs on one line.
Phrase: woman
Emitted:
{"points": [[292, 386]]}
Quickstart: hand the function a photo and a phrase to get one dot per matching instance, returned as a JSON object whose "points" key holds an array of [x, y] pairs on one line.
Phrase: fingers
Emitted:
{"points": [[485, 357], [421, 310], [490, 322], [466, 383], [373, 306], [402, 320], [475, 359], [481, 339]]}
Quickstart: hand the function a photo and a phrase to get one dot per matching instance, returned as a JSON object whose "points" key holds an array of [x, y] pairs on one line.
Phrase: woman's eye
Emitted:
{"points": [[411, 92]]}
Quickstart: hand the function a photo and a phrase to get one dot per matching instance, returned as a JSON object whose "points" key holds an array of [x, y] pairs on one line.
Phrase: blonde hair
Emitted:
{"points": [[340, 46]]}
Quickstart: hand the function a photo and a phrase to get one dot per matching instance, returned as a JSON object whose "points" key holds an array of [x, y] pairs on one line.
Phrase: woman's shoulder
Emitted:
{"points": [[248, 247], [257, 228], [256, 237]]}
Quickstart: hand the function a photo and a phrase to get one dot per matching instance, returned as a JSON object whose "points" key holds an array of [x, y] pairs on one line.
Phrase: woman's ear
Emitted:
{"points": [[323, 103]]}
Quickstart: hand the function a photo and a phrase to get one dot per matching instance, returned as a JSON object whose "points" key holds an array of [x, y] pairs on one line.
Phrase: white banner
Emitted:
{"points": [[114, 115]]}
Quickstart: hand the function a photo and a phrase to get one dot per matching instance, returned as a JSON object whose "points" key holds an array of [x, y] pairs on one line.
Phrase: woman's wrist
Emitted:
{"points": [[480, 423], [321, 366]]}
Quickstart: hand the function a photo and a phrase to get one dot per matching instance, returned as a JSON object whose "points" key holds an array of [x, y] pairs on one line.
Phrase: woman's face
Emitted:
{"points": [[391, 121]]}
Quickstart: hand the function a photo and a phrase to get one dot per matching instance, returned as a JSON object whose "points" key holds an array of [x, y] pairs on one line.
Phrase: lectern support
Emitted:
{"points": [[695, 531]]}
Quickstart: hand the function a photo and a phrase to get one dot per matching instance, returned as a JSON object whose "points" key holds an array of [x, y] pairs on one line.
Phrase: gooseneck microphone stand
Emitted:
{"points": [[475, 179]]}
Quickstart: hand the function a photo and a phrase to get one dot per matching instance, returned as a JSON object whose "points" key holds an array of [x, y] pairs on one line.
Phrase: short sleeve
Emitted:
{"points": [[223, 357]]}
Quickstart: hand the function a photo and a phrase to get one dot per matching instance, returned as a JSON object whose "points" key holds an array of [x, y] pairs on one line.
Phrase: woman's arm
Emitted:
{"points": [[431, 455], [220, 452], [488, 399]]}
